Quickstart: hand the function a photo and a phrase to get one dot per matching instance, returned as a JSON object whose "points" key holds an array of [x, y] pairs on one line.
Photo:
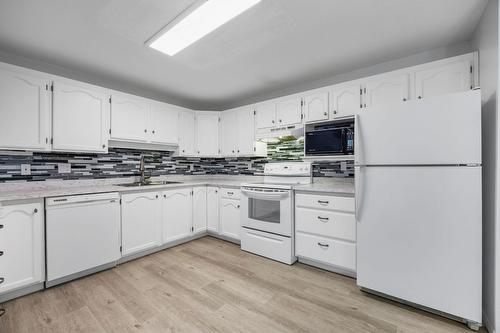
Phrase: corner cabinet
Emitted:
{"points": [[141, 222], [207, 133], [237, 134], [25, 104], [80, 118], [22, 246]]}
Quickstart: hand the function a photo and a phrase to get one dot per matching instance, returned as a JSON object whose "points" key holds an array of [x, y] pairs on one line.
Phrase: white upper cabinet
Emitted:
{"points": [[164, 123], [199, 209], [186, 135], [177, 214], [129, 118], [289, 111], [345, 100], [25, 110], [229, 133], [245, 124], [21, 242], [386, 89], [445, 79], [80, 117], [265, 115], [316, 106], [207, 133]]}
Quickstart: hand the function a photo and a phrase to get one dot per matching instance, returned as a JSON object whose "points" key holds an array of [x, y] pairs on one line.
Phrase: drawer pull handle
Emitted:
{"points": [[323, 202], [2, 280], [323, 245], [230, 193], [1, 253], [323, 218]]}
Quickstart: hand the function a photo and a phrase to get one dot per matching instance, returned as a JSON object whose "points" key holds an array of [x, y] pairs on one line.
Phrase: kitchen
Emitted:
{"points": [[208, 179]]}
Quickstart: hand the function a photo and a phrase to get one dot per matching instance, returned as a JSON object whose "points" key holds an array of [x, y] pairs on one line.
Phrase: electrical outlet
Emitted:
{"points": [[343, 166], [25, 169], [64, 168]]}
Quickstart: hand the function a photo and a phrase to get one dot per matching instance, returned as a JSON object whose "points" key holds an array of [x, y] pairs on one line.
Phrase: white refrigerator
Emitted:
{"points": [[418, 203]]}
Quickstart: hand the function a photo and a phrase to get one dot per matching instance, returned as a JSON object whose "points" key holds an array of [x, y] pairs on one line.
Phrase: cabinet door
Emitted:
{"points": [[207, 133], [442, 80], [230, 218], [228, 133], [213, 209], [316, 107], [289, 111], [345, 100], [199, 209], [164, 124], [129, 118], [246, 131], [186, 135], [386, 90], [141, 222], [21, 242], [265, 115], [177, 214], [25, 111], [80, 118]]}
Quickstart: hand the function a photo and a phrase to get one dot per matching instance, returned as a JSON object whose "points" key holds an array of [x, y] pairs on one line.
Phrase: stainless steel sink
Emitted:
{"points": [[152, 183]]}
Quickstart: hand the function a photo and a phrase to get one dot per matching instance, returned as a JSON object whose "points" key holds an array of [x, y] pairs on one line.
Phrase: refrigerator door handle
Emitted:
{"points": [[358, 160], [358, 191]]}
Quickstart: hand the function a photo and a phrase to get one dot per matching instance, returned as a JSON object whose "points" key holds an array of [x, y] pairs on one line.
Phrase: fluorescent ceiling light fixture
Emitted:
{"points": [[196, 23]]}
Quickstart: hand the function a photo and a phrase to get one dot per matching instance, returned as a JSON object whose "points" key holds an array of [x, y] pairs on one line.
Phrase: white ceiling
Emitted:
{"points": [[276, 44]]}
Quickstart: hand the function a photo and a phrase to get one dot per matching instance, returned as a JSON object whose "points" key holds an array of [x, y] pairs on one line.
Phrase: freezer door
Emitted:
{"points": [[438, 130], [419, 236]]}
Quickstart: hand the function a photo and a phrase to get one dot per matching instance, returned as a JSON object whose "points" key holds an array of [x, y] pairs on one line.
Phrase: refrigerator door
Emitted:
{"points": [[435, 131], [419, 236]]}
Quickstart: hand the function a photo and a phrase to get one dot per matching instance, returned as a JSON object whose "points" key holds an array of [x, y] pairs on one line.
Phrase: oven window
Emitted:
{"points": [[264, 210]]}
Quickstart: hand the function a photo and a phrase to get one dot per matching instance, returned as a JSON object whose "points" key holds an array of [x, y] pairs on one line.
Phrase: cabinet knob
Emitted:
{"points": [[157, 196], [238, 150], [272, 121], [233, 151], [1, 226], [2, 280], [238, 206], [165, 196], [280, 120], [153, 131], [1, 253], [419, 97], [404, 99], [334, 112], [35, 210], [103, 146], [183, 151], [145, 131]]}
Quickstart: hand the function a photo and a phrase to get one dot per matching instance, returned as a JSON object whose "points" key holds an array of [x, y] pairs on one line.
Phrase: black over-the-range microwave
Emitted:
{"points": [[330, 139]]}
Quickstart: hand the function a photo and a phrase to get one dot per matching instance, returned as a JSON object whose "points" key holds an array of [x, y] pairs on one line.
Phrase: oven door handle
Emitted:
{"points": [[278, 195]]}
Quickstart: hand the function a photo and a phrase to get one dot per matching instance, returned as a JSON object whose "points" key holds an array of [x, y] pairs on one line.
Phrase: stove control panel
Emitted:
{"points": [[288, 169]]}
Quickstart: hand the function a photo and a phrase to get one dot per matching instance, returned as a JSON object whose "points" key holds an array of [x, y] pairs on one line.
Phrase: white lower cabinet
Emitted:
{"points": [[230, 218], [141, 222], [177, 214], [213, 209], [325, 231], [21, 245], [199, 209]]}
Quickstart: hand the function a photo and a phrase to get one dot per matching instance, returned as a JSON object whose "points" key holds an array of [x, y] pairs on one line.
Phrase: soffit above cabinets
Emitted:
{"points": [[275, 44]]}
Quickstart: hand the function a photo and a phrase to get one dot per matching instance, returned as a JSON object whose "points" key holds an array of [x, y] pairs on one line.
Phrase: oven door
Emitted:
{"points": [[267, 209], [325, 142]]}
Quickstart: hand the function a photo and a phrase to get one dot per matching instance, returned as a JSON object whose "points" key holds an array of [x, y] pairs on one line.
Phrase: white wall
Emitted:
{"points": [[486, 41]]}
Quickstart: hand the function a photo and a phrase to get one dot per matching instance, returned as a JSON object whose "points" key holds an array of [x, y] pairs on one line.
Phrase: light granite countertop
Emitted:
{"points": [[37, 190]]}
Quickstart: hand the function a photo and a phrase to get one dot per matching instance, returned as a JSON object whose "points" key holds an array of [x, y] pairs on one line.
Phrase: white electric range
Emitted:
{"points": [[267, 211]]}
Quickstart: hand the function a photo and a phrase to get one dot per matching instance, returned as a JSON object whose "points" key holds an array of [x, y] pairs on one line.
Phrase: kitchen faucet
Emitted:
{"points": [[142, 170]]}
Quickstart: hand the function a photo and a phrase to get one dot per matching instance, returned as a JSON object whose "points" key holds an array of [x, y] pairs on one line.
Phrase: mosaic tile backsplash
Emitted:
{"points": [[125, 163]]}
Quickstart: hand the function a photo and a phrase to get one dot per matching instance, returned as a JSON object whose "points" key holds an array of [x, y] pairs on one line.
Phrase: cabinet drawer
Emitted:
{"points": [[326, 250], [230, 193], [326, 223], [329, 202]]}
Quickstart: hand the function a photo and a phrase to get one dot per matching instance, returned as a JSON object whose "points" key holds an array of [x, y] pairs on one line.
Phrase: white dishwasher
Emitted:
{"points": [[82, 235]]}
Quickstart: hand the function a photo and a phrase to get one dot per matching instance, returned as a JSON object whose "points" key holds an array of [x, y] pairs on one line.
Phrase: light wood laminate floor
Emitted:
{"points": [[209, 285]]}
